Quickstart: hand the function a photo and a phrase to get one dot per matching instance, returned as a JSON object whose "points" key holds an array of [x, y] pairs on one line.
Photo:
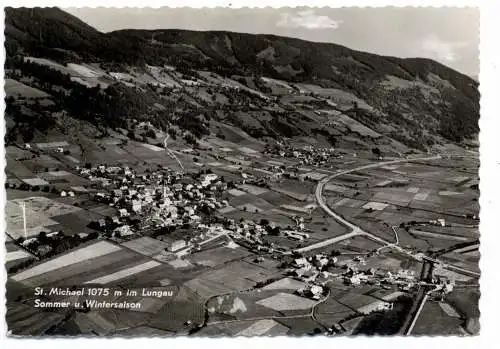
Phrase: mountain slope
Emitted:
{"points": [[279, 87]]}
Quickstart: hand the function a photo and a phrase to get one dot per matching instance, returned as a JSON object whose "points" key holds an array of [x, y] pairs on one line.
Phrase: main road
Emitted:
{"points": [[170, 152], [355, 230]]}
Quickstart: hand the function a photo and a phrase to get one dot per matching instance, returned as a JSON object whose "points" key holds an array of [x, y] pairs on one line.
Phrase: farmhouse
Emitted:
{"points": [[124, 230], [176, 245]]}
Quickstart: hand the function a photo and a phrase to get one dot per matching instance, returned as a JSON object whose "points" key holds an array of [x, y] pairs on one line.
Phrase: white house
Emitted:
{"points": [[136, 205], [124, 230], [123, 212], [176, 245]]}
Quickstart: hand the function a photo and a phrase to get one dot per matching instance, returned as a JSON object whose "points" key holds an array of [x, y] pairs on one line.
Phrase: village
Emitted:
{"points": [[157, 203]]}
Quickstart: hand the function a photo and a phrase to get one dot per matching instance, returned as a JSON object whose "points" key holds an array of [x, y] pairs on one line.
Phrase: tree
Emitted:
{"points": [[273, 231], [42, 236], [150, 133], [376, 152]]}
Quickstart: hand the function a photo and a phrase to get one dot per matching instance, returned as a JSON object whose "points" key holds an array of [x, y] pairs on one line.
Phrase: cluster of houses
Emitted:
{"points": [[159, 198], [313, 269], [163, 198], [317, 270], [252, 234], [306, 155]]}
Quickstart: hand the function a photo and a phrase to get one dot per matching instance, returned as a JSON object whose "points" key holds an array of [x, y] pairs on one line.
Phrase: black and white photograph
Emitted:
{"points": [[241, 172]]}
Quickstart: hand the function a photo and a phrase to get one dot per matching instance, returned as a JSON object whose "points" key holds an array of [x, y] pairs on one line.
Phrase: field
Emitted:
{"points": [[356, 301], [217, 256], [124, 273], [428, 192], [90, 252], [286, 301], [254, 190], [15, 255], [177, 311], [285, 284], [263, 328], [17, 89], [355, 126], [247, 328], [257, 303], [48, 212], [36, 222], [234, 276], [146, 246], [23, 319], [331, 311], [100, 262], [433, 320], [246, 296]]}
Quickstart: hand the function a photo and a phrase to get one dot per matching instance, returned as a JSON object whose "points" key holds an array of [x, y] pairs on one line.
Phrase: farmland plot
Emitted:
{"points": [[252, 189], [285, 284], [235, 276], [264, 328], [36, 221], [89, 252], [286, 301], [35, 181], [433, 320], [217, 256], [23, 319], [124, 273], [146, 246], [18, 89], [378, 206], [331, 311], [46, 206], [16, 255]]}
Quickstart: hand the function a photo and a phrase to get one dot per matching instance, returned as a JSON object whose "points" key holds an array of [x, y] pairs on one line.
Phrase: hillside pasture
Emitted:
{"points": [[16, 89]]}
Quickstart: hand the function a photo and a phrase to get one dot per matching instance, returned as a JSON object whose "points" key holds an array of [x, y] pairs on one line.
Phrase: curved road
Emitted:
{"points": [[428, 262], [355, 230], [172, 155]]}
